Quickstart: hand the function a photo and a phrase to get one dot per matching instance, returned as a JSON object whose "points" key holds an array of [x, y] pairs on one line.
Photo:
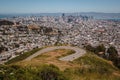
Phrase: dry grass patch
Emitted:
{"points": [[51, 57]]}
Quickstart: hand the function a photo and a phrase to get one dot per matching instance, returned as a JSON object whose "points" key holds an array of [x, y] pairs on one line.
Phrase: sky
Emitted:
{"points": [[54, 6]]}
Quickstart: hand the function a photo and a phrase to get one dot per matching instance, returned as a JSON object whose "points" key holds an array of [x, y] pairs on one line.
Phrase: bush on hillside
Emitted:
{"points": [[51, 73], [44, 72]]}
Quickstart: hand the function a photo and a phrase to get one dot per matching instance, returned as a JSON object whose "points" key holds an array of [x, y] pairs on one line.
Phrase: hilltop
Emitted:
{"points": [[48, 65]]}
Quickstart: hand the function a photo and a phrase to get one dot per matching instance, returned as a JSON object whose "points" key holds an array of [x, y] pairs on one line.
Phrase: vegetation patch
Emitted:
{"points": [[48, 67], [92, 67], [92, 63], [43, 72], [42, 56], [68, 53], [23, 56], [109, 53]]}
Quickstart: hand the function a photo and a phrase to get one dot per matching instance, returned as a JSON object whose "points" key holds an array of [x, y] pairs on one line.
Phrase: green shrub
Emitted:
{"points": [[91, 63], [51, 72], [43, 72]]}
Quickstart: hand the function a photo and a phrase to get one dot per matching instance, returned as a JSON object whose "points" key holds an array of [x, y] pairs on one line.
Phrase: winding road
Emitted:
{"points": [[78, 53]]}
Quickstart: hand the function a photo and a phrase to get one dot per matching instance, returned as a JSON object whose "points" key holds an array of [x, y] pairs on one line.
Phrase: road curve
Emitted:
{"points": [[78, 53]]}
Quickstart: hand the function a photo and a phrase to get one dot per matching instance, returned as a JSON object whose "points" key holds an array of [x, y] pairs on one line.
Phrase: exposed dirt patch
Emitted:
{"points": [[51, 58]]}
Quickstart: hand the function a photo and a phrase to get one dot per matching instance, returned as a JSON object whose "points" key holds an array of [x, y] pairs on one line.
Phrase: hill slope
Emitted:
{"points": [[48, 67]]}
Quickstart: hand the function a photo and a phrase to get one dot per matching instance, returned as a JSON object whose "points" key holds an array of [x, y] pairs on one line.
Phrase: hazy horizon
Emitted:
{"points": [[63, 12]]}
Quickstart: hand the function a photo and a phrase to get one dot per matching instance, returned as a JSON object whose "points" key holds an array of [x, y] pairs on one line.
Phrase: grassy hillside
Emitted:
{"points": [[48, 67], [91, 67], [23, 56]]}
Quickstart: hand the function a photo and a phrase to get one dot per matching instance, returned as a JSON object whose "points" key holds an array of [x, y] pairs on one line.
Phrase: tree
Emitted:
{"points": [[113, 53], [90, 48], [51, 73], [1, 48], [113, 56], [17, 45], [118, 63], [100, 48]]}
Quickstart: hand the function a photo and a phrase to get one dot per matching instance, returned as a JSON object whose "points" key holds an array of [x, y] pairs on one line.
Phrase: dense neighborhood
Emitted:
{"points": [[21, 34]]}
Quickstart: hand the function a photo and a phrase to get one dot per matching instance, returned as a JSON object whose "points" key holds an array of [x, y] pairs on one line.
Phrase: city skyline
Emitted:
{"points": [[56, 6]]}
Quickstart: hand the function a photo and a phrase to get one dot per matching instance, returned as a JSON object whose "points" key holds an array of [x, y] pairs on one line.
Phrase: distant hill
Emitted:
{"points": [[96, 15], [5, 22]]}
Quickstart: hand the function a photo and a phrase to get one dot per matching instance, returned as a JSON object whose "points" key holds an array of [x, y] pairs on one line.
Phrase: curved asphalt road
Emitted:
{"points": [[78, 53]]}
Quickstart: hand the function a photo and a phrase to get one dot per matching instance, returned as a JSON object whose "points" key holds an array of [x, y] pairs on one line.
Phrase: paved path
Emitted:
{"points": [[78, 53]]}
